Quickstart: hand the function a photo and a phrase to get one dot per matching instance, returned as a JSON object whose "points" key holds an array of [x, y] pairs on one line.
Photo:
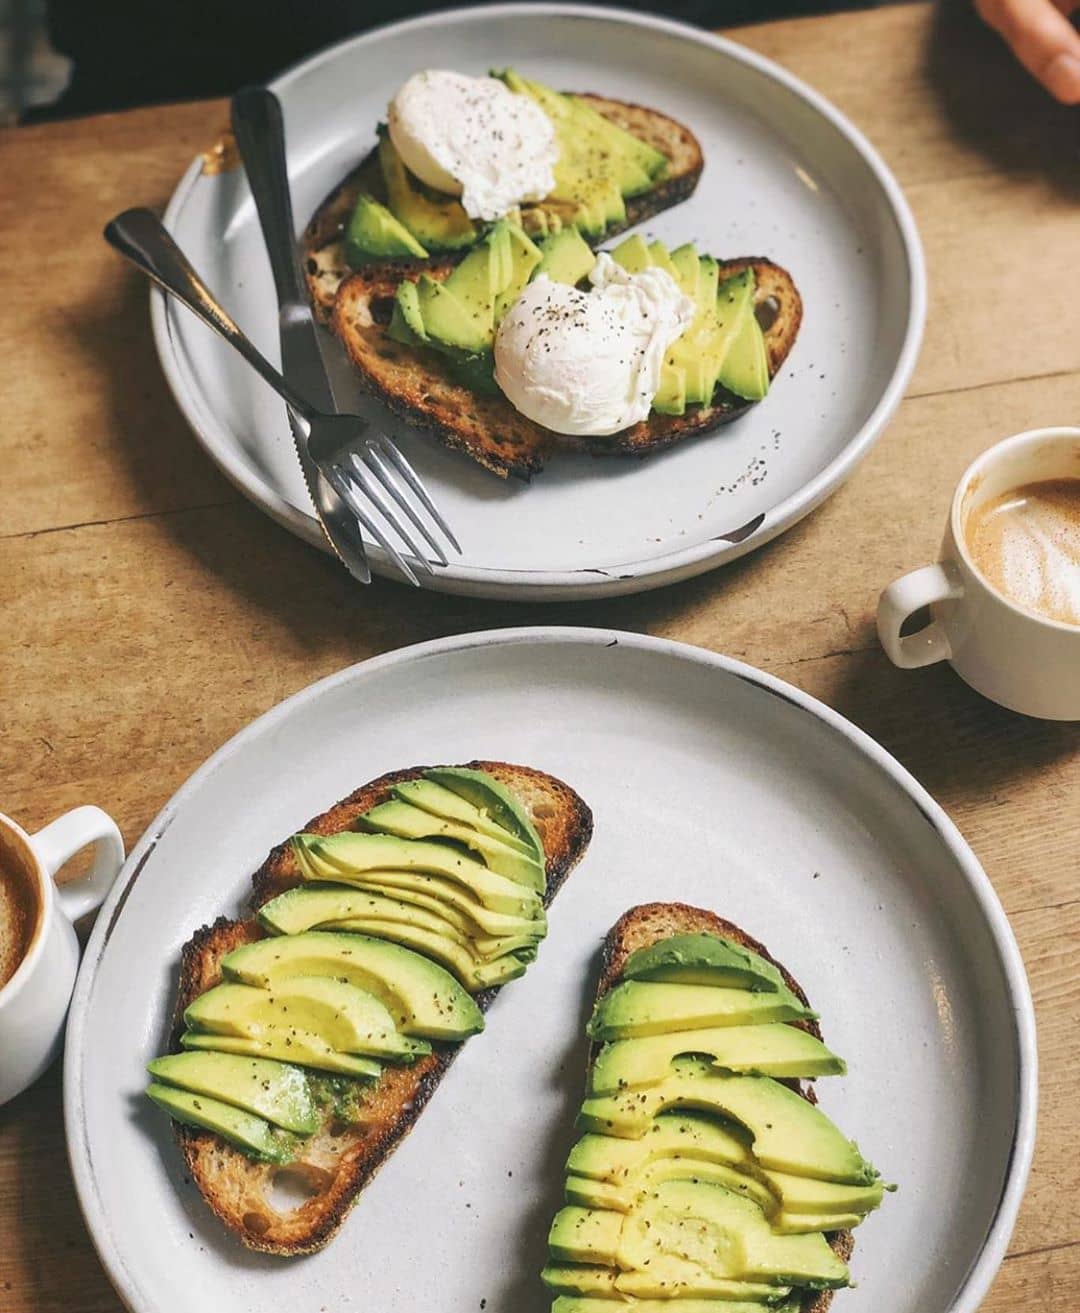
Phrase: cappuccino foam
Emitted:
{"points": [[1026, 543]]}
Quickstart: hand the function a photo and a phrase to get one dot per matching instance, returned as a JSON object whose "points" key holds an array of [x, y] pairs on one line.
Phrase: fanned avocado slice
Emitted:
{"points": [[485, 792], [422, 997], [276, 1091], [253, 1135], [703, 959]]}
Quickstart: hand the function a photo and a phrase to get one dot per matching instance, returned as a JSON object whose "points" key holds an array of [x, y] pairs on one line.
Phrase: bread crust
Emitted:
{"points": [[650, 923], [338, 1161]]}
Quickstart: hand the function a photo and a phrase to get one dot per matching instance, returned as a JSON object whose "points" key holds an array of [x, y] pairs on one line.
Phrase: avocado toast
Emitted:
{"points": [[672, 162], [383, 930], [443, 383], [705, 1174]]}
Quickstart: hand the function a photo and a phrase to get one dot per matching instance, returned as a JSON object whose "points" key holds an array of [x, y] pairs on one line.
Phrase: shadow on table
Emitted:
{"points": [[994, 104]]}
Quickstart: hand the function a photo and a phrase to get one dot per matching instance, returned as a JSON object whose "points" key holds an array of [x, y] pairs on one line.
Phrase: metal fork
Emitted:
{"points": [[377, 471]]}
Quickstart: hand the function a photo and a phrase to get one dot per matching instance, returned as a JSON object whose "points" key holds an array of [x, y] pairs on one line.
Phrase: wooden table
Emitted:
{"points": [[149, 612]]}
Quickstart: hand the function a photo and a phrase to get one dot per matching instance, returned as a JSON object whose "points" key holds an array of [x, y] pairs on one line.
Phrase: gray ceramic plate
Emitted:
{"points": [[786, 175], [711, 783]]}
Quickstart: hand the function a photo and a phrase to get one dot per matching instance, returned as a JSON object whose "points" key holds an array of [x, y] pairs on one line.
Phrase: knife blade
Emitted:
{"points": [[260, 136]]}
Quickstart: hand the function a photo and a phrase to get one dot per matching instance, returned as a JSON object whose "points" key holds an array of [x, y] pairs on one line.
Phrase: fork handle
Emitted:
{"points": [[260, 136], [140, 236]]}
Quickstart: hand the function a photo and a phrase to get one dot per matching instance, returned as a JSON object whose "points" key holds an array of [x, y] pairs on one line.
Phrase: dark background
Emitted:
{"points": [[135, 52]]}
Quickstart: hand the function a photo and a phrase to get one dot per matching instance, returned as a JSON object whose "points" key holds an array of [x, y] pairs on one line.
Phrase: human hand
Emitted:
{"points": [[1041, 36]]}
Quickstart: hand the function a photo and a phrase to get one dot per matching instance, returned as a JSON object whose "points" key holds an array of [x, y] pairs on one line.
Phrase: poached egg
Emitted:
{"points": [[474, 138], [587, 363]]}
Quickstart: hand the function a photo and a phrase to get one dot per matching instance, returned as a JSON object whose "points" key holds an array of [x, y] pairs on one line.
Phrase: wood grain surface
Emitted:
{"points": [[149, 612]]}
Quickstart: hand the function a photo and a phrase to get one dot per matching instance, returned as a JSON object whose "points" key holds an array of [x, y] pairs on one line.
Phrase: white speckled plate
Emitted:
{"points": [[785, 176], [711, 783]]}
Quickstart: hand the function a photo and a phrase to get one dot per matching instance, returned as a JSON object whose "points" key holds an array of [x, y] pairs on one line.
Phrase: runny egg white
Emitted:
{"points": [[587, 363], [474, 138]]}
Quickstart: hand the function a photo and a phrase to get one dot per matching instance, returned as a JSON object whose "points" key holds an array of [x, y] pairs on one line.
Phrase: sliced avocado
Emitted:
{"points": [[587, 1193], [683, 1235], [709, 282], [769, 1050], [353, 856], [598, 143], [421, 997], [789, 1134], [670, 398], [645, 1007], [745, 370], [446, 319], [276, 1091], [567, 257], [703, 960], [585, 1235], [254, 1135], [316, 906], [604, 1284], [687, 266], [473, 973], [407, 321], [312, 906], [650, 161], [585, 1304], [734, 308], [408, 822], [809, 1223], [486, 792], [438, 223], [434, 892], [661, 1285], [662, 260], [346, 1018], [805, 1194], [590, 170], [373, 233], [525, 256], [441, 801], [476, 283], [676, 1135], [633, 254], [303, 1048], [581, 1279]]}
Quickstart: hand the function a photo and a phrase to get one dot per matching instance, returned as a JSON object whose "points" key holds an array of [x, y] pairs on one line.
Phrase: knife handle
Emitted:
{"points": [[260, 136]]}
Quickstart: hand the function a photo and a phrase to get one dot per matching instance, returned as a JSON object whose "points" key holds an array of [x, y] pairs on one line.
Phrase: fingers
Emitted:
{"points": [[1042, 38]]}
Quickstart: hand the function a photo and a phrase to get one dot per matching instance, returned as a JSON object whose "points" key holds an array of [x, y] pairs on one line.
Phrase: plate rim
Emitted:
{"points": [[582, 582], [991, 1253]]}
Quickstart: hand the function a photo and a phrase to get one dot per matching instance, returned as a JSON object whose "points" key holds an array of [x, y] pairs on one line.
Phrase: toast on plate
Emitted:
{"points": [[341, 1156], [417, 385], [322, 245], [642, 928]]}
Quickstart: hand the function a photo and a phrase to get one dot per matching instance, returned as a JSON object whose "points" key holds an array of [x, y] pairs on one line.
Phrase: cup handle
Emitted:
{"points": [[63, 838], [902, 598]]}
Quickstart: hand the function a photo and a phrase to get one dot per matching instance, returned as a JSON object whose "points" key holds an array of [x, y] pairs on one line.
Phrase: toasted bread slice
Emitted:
{"points": [[339, 1160], [651, 922], [323, 249], [416, 384]]}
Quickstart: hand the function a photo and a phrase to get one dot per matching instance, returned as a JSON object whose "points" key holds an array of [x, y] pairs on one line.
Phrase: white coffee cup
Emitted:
{"points": [[34, 1001], [1019, 658]]}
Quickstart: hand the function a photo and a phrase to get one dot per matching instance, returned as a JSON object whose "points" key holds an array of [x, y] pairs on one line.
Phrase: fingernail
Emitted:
{"points": [[1062, 78]]}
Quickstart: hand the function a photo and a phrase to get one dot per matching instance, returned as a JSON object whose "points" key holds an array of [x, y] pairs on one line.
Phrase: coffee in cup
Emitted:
{"points": [[20, 911], [1026, 544]]}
